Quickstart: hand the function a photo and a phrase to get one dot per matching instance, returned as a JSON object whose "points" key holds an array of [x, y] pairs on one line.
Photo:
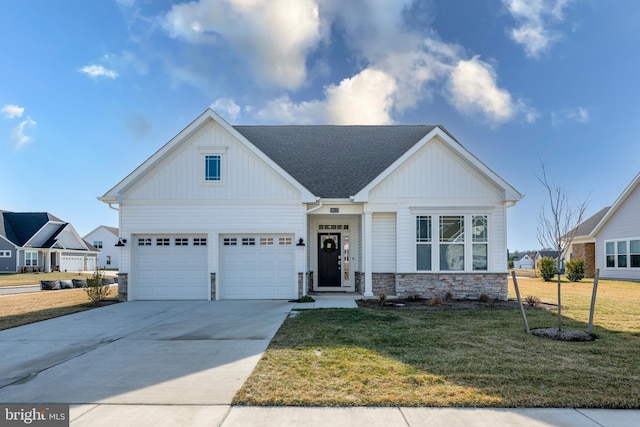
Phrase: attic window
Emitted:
{"points": [[212, 168]]}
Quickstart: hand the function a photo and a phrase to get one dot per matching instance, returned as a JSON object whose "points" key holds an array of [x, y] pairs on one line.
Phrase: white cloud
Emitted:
{"points": [[19, 132], [366, 98], [534, 18], [472, 90], [11, 111], [574, 115], [96, 71], [226, 107], [275, 34]]}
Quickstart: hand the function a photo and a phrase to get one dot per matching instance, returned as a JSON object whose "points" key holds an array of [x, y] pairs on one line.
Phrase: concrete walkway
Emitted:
{"points": [[179, 363]]}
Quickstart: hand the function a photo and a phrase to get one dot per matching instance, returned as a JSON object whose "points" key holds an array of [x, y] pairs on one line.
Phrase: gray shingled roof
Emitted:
{"points": [[586, 227], [334, 161], [19, 227]]}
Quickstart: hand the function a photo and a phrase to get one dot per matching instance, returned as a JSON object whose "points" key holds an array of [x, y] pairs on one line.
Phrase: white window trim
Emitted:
{"points": [[615, 254], [30, 258], [203, 152], [435, 240], [5, 253]]}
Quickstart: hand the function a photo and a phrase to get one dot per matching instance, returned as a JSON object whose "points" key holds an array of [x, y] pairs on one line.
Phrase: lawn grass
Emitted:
{"points": [[17, 279], [479, 357], [21, 309]]}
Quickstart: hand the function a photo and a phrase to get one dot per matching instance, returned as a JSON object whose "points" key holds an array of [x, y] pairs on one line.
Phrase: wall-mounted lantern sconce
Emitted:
{"points": [[121, 242], [300, 242]]}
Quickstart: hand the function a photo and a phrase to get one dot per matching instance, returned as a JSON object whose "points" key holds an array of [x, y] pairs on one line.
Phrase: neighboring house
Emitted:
{"points": [[38, 241], [524, 262], [617, 236], [104, 239], [275, 212], [549, 254], [584, 245]]}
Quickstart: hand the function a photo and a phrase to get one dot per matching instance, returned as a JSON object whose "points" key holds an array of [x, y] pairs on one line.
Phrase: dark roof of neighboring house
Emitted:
{"points": [[586, 227], [54, 237], [19, 227], [334, 161], [550, 254]]}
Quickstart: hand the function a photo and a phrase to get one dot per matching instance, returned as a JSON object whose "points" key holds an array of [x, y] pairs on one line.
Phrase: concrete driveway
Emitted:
{"points": [[156, 352]]}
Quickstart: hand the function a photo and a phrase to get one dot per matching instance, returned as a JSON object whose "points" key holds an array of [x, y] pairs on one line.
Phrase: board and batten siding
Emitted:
{"points": [[211, 220], [383, 242], [435, 171], [180, 176], [624, 224]]}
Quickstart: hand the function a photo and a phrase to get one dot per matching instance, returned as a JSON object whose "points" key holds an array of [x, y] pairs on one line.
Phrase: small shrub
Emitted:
{"points": [[448, 296], [485, 298], [547, 268], [532, 300], [434, 301], [575, 269], [382, 298], [306, 298], [97, 288]]}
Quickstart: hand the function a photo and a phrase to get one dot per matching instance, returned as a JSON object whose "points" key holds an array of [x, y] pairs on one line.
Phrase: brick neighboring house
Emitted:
{"points": [[584, 244]]}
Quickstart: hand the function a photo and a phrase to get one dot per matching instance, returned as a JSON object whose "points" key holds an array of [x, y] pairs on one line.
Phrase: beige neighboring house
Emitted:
{"points": [[104, 238]]}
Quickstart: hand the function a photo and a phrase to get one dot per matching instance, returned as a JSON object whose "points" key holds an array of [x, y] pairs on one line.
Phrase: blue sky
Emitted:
{"points": [[90, 89]]}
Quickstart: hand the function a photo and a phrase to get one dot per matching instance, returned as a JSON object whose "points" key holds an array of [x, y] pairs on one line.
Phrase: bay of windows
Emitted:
{"points": [[622, 254], [458, 238]]}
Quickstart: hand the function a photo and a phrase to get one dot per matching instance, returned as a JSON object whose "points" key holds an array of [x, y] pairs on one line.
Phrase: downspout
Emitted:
{"points": [[306, 255]]}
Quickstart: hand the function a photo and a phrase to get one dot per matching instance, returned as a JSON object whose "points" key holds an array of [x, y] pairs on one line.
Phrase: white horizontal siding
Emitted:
{"points": [[624, 224], [384, 242], [210, 220], [435, 171], [180, 175]]}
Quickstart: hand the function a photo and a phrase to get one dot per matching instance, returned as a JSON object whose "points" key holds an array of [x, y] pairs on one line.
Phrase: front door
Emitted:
{"points": [[329, 259]]}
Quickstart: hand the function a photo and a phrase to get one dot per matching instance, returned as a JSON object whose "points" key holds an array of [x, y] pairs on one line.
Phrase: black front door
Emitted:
{"points": [[329, 259]]}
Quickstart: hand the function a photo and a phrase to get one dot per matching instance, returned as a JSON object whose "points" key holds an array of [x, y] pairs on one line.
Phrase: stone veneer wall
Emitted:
{"points": [[461, 285], [586, 251], [123, 286], [383, 282], [358, 280], [309, 283], [213, 286]]}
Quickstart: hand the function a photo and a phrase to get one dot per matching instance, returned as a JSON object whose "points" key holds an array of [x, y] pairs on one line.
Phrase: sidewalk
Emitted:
{"points": [[251, 416]]}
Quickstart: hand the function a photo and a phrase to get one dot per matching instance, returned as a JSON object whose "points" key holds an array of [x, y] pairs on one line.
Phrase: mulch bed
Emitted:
{"points": [[445, 305]]}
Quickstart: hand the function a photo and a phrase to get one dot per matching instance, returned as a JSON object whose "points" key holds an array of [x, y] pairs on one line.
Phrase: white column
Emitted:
{"points": [[367, 254]]}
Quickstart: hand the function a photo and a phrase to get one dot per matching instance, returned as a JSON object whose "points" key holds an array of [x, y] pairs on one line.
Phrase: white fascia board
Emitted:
{"points": [[619, 202], [26, 244], [114, 195], [510, 193], [76, 235], [9, 241]]}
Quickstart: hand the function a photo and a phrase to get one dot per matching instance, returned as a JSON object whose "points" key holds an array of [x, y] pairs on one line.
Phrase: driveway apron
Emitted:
{"points": [[155, 352]]}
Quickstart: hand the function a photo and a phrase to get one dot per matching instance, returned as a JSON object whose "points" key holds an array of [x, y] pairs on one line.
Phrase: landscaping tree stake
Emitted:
{"points": [[524, 316]]}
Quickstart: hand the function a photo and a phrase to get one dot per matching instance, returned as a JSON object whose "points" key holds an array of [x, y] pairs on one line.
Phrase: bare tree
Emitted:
{"points": [[557, 225]]}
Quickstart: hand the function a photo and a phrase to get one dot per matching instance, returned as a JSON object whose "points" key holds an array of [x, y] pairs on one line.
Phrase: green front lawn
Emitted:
{"points": [[478, 357]]}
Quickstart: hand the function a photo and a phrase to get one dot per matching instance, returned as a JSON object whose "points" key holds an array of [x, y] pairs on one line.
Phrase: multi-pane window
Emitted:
{"points": [[285, 241], [31, 258], [452, 242], [97, 244], [634, 253], [144, 241], [199, 241], [5, 254], [108, 259], [459, 243], [622, 254], [248, 241], [212, 168], [423, 243], [230, 241], [182, 241], [480, 241], [162, 241], [266, 241]]}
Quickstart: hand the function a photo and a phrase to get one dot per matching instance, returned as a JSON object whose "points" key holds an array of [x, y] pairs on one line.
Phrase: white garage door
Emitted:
{"points": [[71, 263], [257, 267], [170, 267]]}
